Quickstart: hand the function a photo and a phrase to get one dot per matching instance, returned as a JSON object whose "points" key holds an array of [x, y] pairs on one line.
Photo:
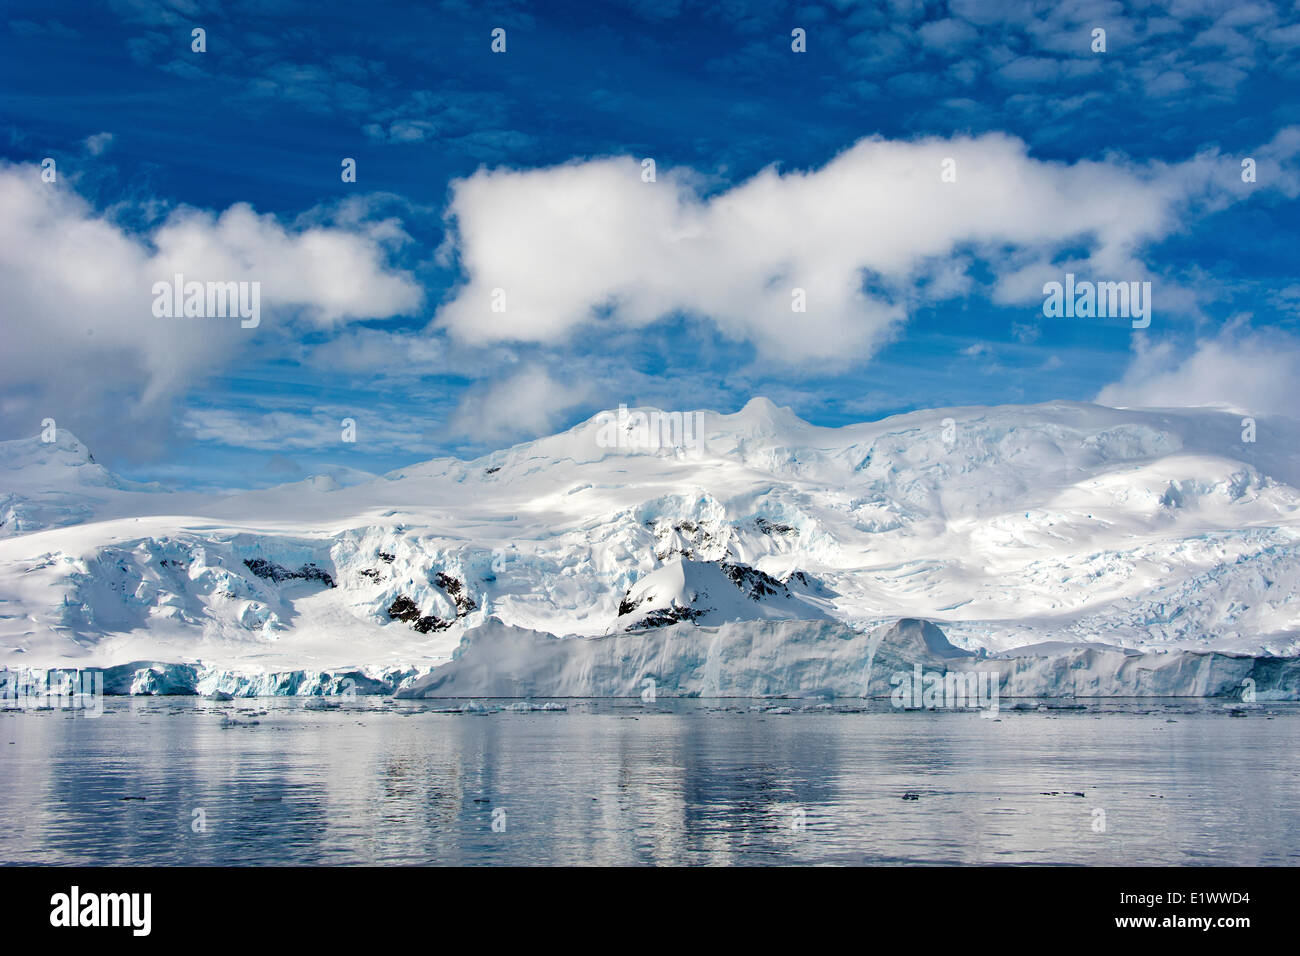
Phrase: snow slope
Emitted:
{"points": [[1009, 526]]}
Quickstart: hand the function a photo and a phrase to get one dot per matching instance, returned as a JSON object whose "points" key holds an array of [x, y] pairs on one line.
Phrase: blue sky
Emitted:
{"points": [[479, 170]]}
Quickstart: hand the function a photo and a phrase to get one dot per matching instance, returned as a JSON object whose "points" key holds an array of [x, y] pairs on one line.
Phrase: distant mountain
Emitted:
{"points": [[57, 483], [1009, 526]]}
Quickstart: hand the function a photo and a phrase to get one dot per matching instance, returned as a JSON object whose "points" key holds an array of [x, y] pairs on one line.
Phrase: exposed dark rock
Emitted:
{"points": [[456, 591], [755, 583], [271, 571], [698, 539], [772, 527], [663, 617], [403, 609]]}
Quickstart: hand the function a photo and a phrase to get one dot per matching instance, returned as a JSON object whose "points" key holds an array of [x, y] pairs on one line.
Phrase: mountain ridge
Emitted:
{"points": [[1006, 525]]}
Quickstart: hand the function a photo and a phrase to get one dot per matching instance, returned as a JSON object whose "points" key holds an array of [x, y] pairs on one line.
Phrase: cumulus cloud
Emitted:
{"points": [[330, 275], [81, 342], [525, 403], [866, 237], [1251, 372]]}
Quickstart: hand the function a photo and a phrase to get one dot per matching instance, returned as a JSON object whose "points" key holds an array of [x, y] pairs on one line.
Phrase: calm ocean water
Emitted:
{"points": [[179, 781]]}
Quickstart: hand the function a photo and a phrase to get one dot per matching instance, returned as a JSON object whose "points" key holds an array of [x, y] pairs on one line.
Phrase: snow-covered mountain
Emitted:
{"points": [[1007, 526], [710, 593], [51, 484]]}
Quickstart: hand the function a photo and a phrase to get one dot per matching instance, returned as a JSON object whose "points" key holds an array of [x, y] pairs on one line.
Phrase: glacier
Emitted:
{"points": [[1072, 548], [828, 660], [744, 658]]}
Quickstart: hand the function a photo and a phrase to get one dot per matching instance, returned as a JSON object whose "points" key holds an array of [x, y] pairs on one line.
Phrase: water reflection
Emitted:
{"points": [[699, 782]]}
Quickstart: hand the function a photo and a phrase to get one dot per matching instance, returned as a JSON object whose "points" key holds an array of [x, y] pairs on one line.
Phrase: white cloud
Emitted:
{"points": [[294, 426], [97, 144], [529, 402], [1251, 372], [378, 353], [80, 340], [278, 430], [590, 242], [947, 34], [332, 275]]}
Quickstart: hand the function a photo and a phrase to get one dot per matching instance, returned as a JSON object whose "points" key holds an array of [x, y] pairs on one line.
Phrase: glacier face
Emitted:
{"points": [[826, 659], [910, 663], [1010, 526]]}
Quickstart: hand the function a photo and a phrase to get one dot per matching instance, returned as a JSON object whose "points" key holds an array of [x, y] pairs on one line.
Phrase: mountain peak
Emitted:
{"points": [[62, 449], [762, 416], [762, 406]]}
